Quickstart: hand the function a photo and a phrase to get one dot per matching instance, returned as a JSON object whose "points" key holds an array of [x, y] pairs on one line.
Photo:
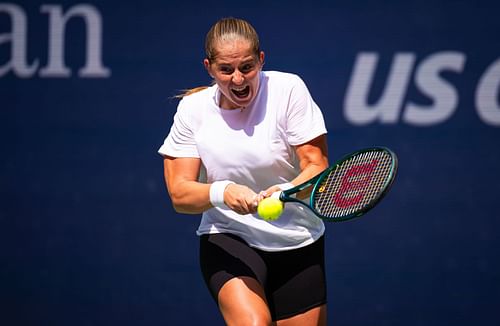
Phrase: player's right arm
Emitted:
{"points": [[189, 196]]}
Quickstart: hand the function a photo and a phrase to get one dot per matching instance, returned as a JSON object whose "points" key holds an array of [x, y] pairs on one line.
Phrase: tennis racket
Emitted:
{"points": [[350, 187]]}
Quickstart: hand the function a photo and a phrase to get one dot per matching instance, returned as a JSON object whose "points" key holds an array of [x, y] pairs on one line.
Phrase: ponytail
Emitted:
{"points": [[187, 92]]}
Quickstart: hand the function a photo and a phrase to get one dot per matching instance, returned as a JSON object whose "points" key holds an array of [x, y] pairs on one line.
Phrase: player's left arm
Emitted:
{"points": [[313, 159]]}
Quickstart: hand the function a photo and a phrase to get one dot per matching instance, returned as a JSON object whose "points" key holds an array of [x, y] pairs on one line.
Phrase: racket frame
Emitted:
{"points": [[286, 195]]}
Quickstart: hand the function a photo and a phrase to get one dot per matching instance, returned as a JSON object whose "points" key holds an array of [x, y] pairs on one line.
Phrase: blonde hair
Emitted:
{"points": [[229, 29], [223, 30]]}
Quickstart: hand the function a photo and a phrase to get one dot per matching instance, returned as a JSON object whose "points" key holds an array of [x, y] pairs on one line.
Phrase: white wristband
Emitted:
{"points": [[217, 192], [283, 187], [286, 186]]}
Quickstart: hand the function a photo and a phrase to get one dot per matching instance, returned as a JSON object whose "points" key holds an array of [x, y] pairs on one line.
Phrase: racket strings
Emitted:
{"points": [[354, 184]]}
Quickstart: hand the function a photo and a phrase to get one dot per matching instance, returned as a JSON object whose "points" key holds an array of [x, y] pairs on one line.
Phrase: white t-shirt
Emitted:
{"points": [[252, 147]]}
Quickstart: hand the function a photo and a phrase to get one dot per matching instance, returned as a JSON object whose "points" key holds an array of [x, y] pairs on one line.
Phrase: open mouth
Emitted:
{"points": [[241, 92]]}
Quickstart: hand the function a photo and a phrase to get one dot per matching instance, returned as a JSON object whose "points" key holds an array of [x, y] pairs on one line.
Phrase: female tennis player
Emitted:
{"points": [[251, 133]]}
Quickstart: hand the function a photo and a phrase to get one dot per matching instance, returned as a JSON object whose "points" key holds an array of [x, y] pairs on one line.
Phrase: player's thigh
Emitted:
{"points": [[242, 301], [297, 281]]}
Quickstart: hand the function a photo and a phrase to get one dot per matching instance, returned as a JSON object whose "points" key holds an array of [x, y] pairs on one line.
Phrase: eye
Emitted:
{"points": [[247, 67], [226, 69]]}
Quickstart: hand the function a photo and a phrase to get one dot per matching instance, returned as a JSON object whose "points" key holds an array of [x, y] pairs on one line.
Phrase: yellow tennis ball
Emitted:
{"points": [[270, 209]]}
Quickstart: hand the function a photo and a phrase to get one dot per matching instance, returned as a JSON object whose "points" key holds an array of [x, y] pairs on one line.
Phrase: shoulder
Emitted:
{"points": [[196, 98], [282, 77], [285, 83], [191, 108], [193, 103]]}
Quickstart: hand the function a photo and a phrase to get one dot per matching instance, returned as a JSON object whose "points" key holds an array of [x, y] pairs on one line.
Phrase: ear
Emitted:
{"points": [[206, 63], [261, 57]]}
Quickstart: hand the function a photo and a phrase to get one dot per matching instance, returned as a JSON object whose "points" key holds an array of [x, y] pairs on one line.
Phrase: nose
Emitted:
{"points": [[238, 77]]}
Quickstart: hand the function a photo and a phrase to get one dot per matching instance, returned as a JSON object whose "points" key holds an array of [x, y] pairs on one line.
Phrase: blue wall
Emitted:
{"points": [[88, 235]]}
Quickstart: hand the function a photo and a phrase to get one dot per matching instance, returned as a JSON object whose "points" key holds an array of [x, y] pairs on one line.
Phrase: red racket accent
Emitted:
{"points": [[354, 181]]}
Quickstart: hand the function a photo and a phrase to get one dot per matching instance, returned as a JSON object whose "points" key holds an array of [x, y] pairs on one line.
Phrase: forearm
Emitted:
{"points": [[313, 159], [310, 170], [190, 197]]}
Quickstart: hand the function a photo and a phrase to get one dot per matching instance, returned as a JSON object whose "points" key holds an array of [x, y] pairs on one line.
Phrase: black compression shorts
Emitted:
{"points": [[294, 280]]}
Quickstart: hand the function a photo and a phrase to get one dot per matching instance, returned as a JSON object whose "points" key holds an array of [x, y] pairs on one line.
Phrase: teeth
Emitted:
{"points": [[239, 89]]}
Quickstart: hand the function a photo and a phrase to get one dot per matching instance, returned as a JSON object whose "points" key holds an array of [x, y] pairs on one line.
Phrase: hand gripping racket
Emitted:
{"points": [[350, 187]]}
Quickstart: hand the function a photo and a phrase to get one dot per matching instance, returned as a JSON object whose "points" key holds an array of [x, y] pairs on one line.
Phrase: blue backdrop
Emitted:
{"points": [[88, 235]]}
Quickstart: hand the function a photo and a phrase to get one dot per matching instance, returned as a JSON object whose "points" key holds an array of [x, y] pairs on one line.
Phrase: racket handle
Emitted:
{"points": [[276, 194], [283, 187]]}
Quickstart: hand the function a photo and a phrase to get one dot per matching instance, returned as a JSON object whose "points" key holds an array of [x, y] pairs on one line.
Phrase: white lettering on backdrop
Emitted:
{"points": [[55, 67], [391, 108]]}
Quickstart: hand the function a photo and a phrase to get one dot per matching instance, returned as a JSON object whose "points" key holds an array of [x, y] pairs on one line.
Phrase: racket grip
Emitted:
{"points": [[276, 194], [283, 187]]}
